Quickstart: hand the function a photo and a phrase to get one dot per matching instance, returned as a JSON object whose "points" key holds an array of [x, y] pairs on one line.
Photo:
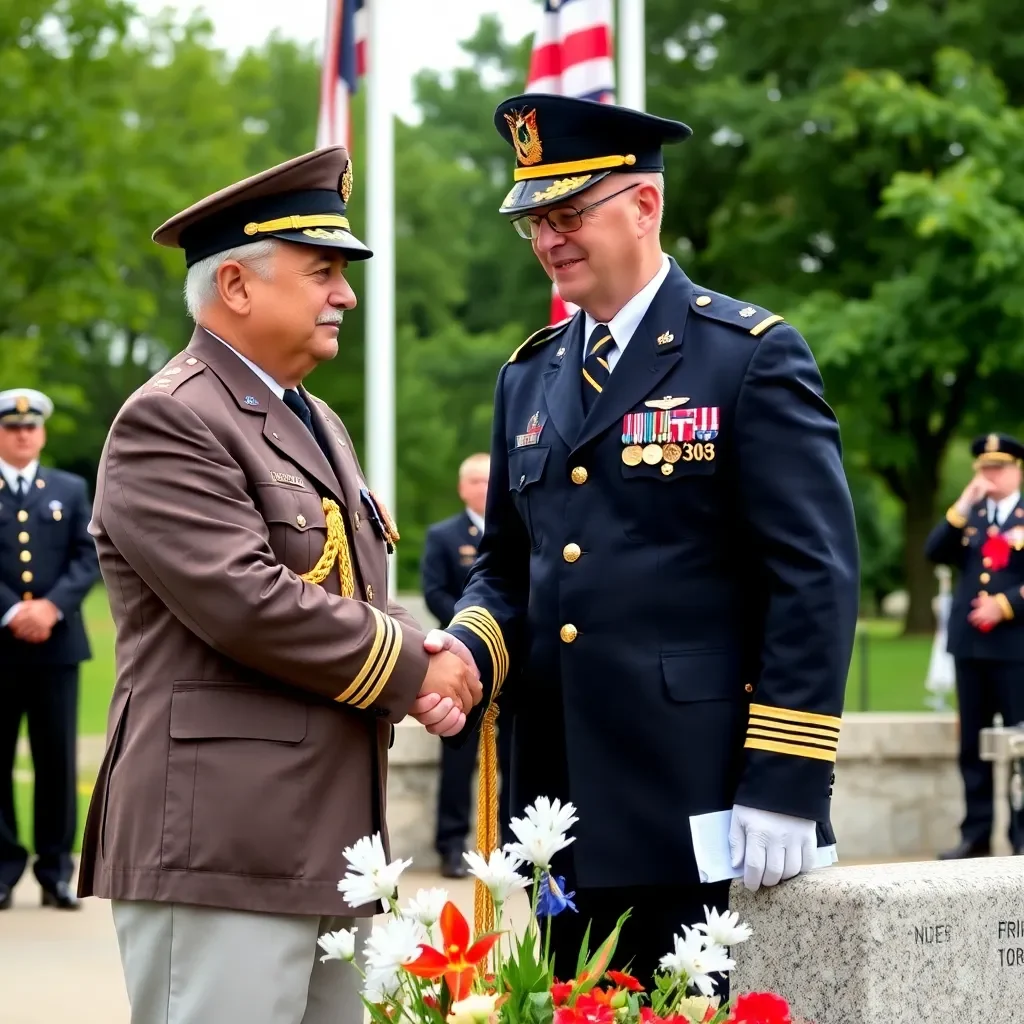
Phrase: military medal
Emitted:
{"points": [[652, 454], [671, 453], [632, 455]]}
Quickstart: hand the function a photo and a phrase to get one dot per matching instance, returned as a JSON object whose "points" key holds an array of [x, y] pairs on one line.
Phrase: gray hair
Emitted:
{"points": [[201, 279]]}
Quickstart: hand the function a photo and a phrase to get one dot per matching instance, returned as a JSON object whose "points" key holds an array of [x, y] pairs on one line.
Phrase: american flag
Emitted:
{"points": [[344, 64], [572, 56]]}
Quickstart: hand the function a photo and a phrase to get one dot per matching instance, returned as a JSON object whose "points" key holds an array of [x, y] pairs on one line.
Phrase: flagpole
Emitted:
{"points": [[632, 55], [380, 279]]}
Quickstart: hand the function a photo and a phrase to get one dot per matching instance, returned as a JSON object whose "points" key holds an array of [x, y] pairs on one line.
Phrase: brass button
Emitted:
{"points": [[22, 516], [27, 596], [568, 633], [174, 369], [579, 475], [26, 577], [748, 688], [703, 300], [40, 483], [984, 577], [987, 562], [982, 593], [667, 469], [369, 591], [191, 362], [26, 556], [571, 552], [300, 519], [23, 537], [57, 514]]}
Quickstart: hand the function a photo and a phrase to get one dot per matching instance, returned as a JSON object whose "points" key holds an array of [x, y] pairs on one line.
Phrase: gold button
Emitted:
{"points": [[703, 300], [984, 577], [369, 591], [27, 596], [748, 688], [667, 469], [23, 537], [987, 562], [22, 516], [26, 556], [571, 552], [982, 593], [57, 515], [568, 633], [579, 475], [40, 484], [300, 519], [174, 369], [26, 577], [191, 362]]}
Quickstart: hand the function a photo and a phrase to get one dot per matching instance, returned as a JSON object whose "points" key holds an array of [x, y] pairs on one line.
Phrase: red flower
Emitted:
{"points": [[458, 964], [760, 1008], [997, 549], [560, 992], [586, 1011], [626, 981]]}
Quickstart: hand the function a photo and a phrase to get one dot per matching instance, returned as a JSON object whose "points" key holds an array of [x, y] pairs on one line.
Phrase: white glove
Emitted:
{"points": [[770, 846]]}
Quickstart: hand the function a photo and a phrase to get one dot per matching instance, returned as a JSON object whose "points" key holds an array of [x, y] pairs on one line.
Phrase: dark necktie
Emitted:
{"points": [[21, 488], [596, 369], [298, 405]]}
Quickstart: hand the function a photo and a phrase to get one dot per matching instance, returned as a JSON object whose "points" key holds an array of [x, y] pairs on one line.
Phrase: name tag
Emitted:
{"points": [[287, 478]]}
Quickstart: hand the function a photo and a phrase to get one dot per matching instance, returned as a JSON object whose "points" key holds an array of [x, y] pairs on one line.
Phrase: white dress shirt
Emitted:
{"points": [[259, 371], [623, 325], [12, 477], [1002, 509], [477, 521]]}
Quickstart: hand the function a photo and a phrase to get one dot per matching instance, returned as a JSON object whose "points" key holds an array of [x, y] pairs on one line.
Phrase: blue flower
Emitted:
{"points": [[552, 898]]}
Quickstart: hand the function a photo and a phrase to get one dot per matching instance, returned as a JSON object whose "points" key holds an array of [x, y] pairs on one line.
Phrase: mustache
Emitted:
{"points": [[335, 317]]}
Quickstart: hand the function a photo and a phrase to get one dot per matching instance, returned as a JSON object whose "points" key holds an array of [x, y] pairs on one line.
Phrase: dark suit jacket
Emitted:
{"points": [[46, 551], [448, 554]]}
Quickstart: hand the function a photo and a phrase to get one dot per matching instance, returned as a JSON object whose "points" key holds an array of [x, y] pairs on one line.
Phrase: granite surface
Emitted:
{"points": [[909, 943]]}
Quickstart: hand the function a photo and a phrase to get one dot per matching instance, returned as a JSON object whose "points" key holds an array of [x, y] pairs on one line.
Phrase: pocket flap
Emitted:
{"points": [[204, 710], [710, 674], [526, 466], [301, 510]]}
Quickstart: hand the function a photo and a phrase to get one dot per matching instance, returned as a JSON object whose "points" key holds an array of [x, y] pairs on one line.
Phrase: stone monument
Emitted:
{"points": [[910, 943]]}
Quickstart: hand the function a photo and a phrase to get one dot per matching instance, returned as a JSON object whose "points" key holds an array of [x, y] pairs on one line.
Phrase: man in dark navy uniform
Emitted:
{"points": [[448, 554], [669, 577], [982, 535], [47, 566]]}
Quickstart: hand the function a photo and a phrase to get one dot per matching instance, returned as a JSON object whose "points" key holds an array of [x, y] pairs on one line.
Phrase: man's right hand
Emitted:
{"points": [[977, 490]]}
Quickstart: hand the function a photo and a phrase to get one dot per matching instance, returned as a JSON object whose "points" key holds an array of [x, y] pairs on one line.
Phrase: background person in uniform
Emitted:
{"points": [[47, 566], [982, 535], [260, 664], [670, 569], [448, 554]]}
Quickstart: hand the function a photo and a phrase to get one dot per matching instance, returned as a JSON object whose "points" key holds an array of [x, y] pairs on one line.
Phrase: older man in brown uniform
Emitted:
{"points": [[260, 664]]}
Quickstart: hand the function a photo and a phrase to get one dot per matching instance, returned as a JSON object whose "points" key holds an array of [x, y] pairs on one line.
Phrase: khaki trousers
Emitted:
{"points": [[197, 965]]}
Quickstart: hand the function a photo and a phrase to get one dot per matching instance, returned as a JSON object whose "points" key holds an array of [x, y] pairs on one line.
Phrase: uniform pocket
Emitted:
{"points": [[698, 675], [525, 472], [296, 523]]}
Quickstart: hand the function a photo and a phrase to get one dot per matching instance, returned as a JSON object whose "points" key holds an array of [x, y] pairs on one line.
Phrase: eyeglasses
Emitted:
{"points": [[565, 220]]}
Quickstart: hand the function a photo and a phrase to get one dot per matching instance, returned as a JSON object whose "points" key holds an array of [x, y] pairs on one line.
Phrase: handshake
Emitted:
{"points": [[452, 686]]}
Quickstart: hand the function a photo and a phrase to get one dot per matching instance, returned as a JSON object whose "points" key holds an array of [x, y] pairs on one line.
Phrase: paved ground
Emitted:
{"points": [[57, 967]]}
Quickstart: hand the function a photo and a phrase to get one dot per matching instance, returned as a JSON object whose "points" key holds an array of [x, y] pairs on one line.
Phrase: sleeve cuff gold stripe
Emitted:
{"points": [[389, 667], [789, 748], [955, 519], [1004, 602], [375, 674], [481, 622], [371, 660], [814, 731], [784, 737], [805, 717]]}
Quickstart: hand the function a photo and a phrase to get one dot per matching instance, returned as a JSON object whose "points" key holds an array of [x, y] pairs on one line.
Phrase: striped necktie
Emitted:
{"points": [[596, 369]]}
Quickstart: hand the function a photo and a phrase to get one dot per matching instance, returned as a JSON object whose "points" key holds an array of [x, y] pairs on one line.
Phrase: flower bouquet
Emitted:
{"points": [[422, 965]]}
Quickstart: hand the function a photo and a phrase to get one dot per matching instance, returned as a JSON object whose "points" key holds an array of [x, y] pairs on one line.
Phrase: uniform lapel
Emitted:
{"points": [[343, 473], [652, 352], [36, 494], [282, 429], [562, 384]]}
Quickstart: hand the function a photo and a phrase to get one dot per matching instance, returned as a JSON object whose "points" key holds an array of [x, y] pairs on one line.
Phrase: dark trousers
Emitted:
{"points": [[455, 792], [48, 697], [657, 913], [984, 687]]}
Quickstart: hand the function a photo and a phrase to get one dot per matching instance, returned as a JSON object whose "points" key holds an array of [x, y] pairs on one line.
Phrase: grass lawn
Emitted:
{"points": [[23, 808]]}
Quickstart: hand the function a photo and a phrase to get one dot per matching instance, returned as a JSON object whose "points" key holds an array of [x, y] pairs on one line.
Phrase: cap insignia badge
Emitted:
{"points": [[346, 183], [21, 404], [525, 137], [992, 443]]}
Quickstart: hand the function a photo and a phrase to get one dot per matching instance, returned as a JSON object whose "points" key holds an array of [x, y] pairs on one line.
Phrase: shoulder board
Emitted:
{"points": [[538, 338], [179, 369], [754, 320]]}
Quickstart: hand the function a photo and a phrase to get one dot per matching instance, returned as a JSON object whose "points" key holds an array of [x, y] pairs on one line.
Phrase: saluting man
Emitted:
{"points": [[669, 575], [47, 567], [982, 535]]}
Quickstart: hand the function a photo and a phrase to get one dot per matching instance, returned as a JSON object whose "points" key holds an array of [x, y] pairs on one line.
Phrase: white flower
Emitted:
{"points": [[475, 1009], [724, 928], [541, 833], [696, 957], [393, 944], [426, 906], [340, 945], [380, 986], [498, 873], [372, 877]]}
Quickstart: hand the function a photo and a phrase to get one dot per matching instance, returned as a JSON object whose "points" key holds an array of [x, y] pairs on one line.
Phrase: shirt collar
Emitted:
{"points": [[624, 324], [477, 521], [1005, 506], [11, 474], [259, 371]]}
